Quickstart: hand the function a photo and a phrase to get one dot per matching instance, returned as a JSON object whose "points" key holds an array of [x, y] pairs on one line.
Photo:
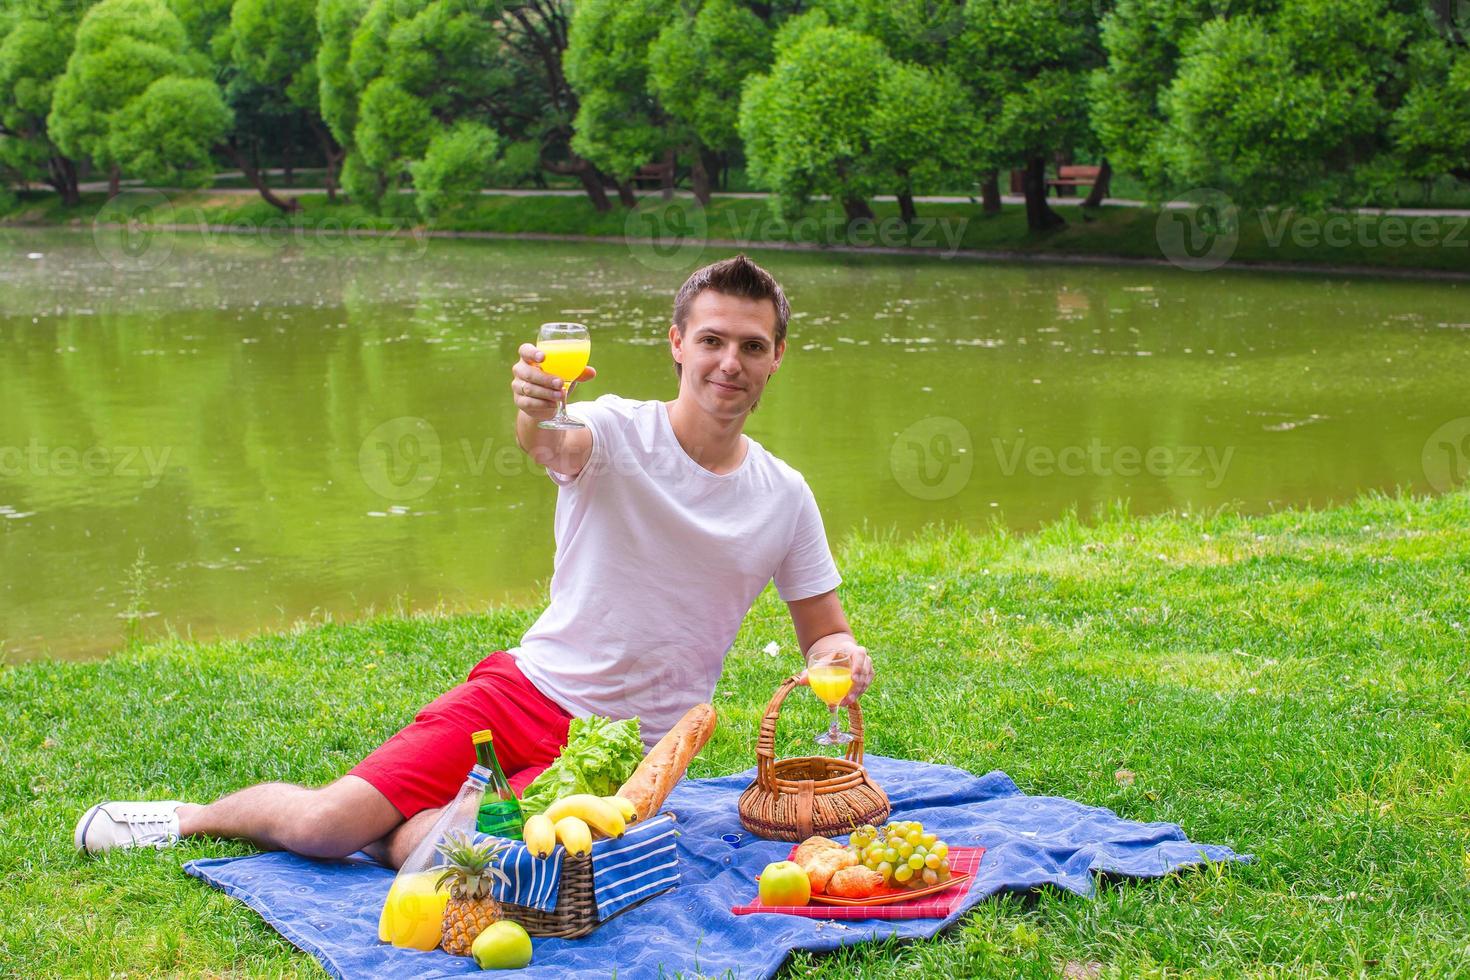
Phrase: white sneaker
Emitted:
{"points": [[127, 824]]}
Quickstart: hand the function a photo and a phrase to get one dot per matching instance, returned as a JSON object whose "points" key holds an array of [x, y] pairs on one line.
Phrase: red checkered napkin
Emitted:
{"points": [[962, 860]]}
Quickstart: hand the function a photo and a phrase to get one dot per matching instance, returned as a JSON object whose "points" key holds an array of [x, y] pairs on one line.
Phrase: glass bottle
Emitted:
{"points": [[500, 813]]}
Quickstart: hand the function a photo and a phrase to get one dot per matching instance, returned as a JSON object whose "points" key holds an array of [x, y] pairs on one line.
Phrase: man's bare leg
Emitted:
{"points": [[330, 822], [395, 848]]}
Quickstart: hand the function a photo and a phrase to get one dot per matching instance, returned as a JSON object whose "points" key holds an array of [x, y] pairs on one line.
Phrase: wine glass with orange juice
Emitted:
{"points": [[829, 674], [567, 348]]}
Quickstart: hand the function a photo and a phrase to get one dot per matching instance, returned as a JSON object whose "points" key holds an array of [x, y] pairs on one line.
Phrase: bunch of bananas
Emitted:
{"points": [[572, 819]]}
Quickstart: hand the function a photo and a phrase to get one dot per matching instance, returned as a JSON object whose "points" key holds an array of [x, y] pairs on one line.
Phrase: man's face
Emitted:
{"points": [[728, 352]]}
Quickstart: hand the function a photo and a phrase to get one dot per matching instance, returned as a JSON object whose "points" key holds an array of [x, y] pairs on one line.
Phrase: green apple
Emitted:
{"points": [[504, 945], [785, 883]]}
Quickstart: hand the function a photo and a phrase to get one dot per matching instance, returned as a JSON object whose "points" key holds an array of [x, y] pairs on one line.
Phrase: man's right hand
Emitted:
{"points": [[537, 393]]}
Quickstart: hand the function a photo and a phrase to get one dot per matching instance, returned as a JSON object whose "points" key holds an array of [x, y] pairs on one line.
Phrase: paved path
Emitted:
{"points": [[1119, 202]]}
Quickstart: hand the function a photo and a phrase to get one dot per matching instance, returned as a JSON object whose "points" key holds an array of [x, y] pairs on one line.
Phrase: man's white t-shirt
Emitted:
{"points": [[657, 562]]}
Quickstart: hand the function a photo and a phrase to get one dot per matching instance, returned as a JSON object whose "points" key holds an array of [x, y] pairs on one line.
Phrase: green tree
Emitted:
{"points": [[696, 67], [1027, 64], [536, 34], [922, 129], [167, 133], [262, 113], [619, 125], [915, 31], [454, 166], [417, 96], [1309, 102], [123, 48], [36, 38], [1431, 128], [807, 125], [1287, 109], [275, 46], [1141, 39]]}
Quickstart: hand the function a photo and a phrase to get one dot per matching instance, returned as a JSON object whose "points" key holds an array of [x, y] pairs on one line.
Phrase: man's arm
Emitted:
{"points": [[536, 395], [822, 625]]}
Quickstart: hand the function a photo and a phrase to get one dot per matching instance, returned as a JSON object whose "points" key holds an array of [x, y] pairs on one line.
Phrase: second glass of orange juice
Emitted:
{"points": [[830, 675]]}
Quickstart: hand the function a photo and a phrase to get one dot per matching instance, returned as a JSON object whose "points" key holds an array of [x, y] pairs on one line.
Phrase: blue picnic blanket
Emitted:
{"points": [[330, 908]]}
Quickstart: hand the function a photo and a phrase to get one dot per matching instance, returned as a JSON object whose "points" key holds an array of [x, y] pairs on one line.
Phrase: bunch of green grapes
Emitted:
{"points": [[902, 852]]}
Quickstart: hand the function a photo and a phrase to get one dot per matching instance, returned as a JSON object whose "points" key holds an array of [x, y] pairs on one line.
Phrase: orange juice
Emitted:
{"points": [[831, 684], [413, 915], [565, 359]]}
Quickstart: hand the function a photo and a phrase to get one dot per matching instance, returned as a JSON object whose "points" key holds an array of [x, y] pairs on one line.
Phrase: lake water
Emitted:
{"points": [[287, 431]]}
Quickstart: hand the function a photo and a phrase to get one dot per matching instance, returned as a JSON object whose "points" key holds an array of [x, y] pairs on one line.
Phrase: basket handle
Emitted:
{"points": [[765, 746]]}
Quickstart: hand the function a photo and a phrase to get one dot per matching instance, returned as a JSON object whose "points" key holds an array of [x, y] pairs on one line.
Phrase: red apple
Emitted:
{"points": [[785, 883]]}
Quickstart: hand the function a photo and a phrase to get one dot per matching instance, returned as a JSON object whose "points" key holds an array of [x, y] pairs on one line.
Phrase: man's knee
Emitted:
{"points": [[338, 820]]}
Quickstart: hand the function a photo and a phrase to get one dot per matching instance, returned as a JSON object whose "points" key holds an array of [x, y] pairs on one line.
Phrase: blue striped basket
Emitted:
{"points": [[567, 896]]}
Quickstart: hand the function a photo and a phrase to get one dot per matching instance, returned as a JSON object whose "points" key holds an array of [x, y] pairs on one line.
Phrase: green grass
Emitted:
{"points": [[1421, 243], [1292, 685]]}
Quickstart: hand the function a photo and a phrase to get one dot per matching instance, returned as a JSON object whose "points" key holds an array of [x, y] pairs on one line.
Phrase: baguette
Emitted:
{"points": [[660, 770]]}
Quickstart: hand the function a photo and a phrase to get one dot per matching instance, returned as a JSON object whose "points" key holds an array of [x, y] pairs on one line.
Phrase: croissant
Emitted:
{"points": [[855, 882], [826, 862]]}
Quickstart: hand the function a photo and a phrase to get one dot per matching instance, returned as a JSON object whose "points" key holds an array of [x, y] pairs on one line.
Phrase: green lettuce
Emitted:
{"points": [[600, 756]]}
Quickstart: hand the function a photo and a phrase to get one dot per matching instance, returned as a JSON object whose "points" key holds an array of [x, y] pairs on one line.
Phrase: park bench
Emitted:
{"points": [[1069, 176], [652, 173]]}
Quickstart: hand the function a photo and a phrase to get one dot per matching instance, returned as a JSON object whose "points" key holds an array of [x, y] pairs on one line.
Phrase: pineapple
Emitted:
{"points": [[468, 868]]}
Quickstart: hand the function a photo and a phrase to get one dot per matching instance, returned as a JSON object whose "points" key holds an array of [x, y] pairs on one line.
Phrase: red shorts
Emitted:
{"points": [[424, 765]]}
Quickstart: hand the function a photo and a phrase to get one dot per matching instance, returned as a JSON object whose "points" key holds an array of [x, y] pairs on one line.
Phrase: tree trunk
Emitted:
{"points": [[855, 208], [592, 183], [625, 193], [114, 182], [257, 180], [583, 170], [288, 170], [1039, 215], [705, 164], [906, 207], [333, 153], [666, 186], [990, 192], [63, 176], [1103, 186]]}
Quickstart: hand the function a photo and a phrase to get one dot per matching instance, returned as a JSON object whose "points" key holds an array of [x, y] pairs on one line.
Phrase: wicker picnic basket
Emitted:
{"points": [[576, 913], [576, 910], [792, 799]]}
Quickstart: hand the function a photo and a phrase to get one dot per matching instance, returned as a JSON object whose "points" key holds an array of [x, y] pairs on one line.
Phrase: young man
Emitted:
{"points": [[669, 523]]}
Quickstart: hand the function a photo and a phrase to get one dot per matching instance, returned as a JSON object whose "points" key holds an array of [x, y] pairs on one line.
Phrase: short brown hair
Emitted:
{"points": [[737, 276]]}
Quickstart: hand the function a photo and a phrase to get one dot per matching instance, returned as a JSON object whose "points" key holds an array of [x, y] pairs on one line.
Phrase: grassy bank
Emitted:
{"points": [[1432, 244], [1291, 685]]}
